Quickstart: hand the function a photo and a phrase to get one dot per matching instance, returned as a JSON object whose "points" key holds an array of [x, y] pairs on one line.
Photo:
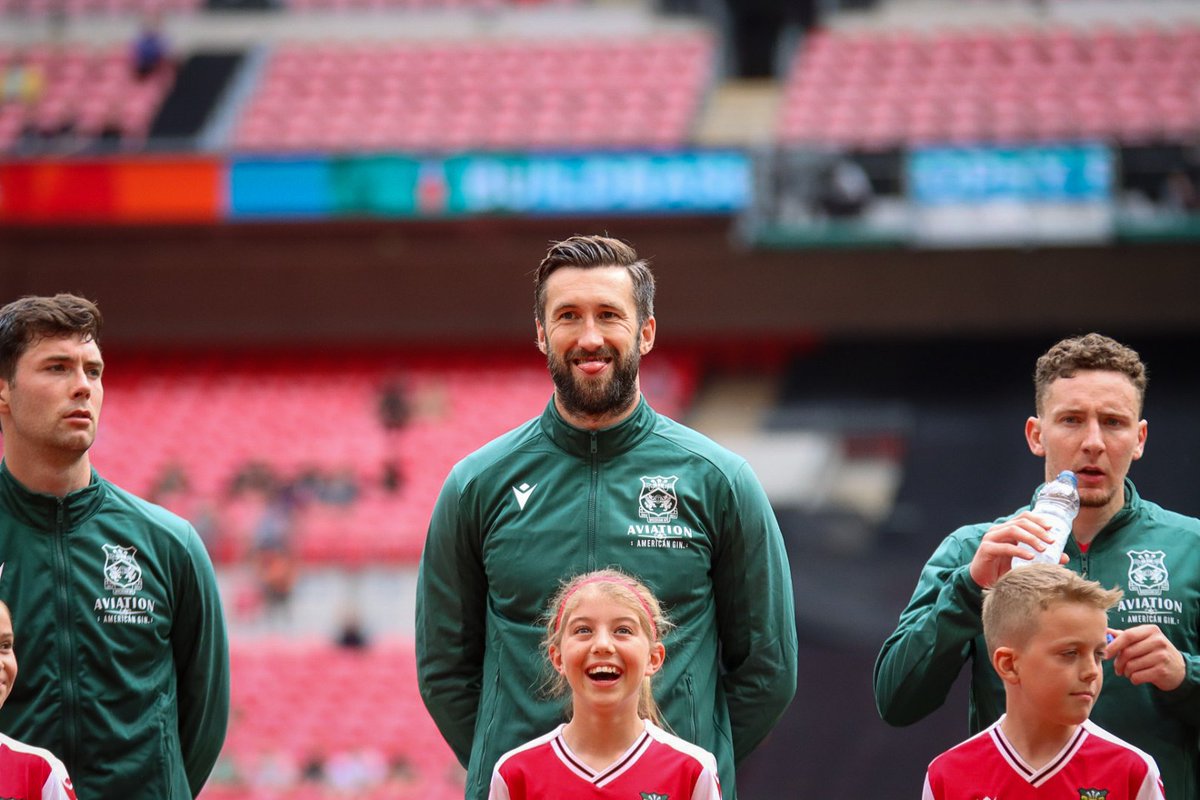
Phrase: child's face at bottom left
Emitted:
{"points": [[1059, 667], [604, 653], [8, 656]]}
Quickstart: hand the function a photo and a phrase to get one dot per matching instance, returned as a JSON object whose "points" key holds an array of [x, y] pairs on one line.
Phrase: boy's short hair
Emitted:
{"points": [[1095, 351], [1011, 606]]}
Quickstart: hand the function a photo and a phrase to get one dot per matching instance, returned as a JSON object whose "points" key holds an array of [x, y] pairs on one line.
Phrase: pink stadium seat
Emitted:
{"points": [[455, 96], [993, 86]]}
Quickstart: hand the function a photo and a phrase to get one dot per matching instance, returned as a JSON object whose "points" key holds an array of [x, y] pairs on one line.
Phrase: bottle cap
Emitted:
{"points": [[1066, 476]]}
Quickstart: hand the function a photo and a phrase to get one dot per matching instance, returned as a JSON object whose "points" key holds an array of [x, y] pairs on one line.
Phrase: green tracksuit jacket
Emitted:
{"points": [[548, 501], [121, 646], [1151, 554]]}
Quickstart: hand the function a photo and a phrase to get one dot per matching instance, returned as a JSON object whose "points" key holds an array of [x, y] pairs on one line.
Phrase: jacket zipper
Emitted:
{"points": [[1083, 564], [591, 519], [67, 671]]}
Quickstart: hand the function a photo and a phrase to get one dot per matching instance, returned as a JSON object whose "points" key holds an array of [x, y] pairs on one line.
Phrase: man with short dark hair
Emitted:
{"points": [[1088, 399], [600, 479], [127, 679]]}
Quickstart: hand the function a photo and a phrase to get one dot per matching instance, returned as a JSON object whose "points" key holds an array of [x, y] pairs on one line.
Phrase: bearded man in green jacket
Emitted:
{"points": [[125, 670], [600, 479], [1089, 393]]}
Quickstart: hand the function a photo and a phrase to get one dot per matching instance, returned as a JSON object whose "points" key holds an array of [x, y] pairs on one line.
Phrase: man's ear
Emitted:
{"points": [[1033, 436], [1004, 661], [1143, 430], [4, 394], [541, 335], [646, 336]]}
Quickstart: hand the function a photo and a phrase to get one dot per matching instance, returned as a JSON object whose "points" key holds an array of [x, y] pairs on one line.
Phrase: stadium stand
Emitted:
{"points": [[878, 90], [304, 737], [358, 5], [80, 95], [241, 444], [482, 95], [39, 9], [313, 721]]}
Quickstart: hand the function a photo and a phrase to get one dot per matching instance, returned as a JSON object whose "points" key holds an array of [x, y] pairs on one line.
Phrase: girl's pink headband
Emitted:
{"points": [[630, 585]]}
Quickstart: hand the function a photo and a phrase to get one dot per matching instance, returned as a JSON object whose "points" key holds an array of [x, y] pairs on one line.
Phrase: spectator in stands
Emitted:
{"points": [[132, 686], [355, 772], [1089, 394], [171, 481], [24, 82], [395, 411], [149, 47], [274, 561], [601, 478], [25, 771], [254, 477], [351, 635]]}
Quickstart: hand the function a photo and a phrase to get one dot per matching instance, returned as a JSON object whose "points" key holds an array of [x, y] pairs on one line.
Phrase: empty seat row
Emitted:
{"points": [[875, 90], [479, 95]]}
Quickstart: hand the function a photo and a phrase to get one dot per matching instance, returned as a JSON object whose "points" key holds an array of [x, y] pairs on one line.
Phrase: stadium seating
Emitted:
{"points": [[81, 91], [342, 723], [874, 91], [479, 94], [376, 5], [202, 419], [38, 9]]}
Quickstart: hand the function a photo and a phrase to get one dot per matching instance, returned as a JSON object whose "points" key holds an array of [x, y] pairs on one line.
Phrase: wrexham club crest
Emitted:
{"points": [[657, 503], [654, 796], [1093, 794], [122, 575], [1148, 572]]}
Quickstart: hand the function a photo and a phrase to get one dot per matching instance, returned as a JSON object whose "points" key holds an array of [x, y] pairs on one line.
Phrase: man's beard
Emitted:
{"points": [[1093, 499], [594, 398]]}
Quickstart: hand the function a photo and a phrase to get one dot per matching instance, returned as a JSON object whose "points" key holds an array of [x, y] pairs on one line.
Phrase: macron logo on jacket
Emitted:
{"points": [[522, 494]]}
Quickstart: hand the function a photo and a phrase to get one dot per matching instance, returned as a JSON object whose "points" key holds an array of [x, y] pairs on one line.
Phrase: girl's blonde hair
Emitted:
{"points": [[617, 585]]}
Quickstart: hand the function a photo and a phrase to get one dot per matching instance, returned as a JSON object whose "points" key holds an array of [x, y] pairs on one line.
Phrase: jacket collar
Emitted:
{"points": [[606, 442], [1128, 512], [41, 511]]}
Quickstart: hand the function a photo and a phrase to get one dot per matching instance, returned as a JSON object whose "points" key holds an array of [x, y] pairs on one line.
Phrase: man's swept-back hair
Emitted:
{"points": [[1094, 351], [586, 252], [25, 322], [1011, 608]]}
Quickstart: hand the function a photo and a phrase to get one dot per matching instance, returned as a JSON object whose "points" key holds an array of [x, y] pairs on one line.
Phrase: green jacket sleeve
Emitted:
{"points": [[756, 616], [451, 626], [920, 660], [1184, 701], [201, 650]]}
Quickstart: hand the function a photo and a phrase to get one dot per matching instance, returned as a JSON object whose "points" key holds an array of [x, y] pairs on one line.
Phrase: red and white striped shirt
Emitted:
{"points": [[1093, 765], [658, 766], [31, 773]]}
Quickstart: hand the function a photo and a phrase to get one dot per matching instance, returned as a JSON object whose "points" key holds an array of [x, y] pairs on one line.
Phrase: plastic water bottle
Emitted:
{"points": [[1058, 502]]}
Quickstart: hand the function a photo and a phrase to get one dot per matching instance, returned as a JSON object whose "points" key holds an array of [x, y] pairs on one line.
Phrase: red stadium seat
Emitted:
{"points": [[992, 86], [457, 96]]}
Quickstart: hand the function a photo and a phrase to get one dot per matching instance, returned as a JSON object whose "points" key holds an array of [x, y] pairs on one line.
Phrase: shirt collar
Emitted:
{"points": [[1127, 513], [42, 511], [604, 443]]}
